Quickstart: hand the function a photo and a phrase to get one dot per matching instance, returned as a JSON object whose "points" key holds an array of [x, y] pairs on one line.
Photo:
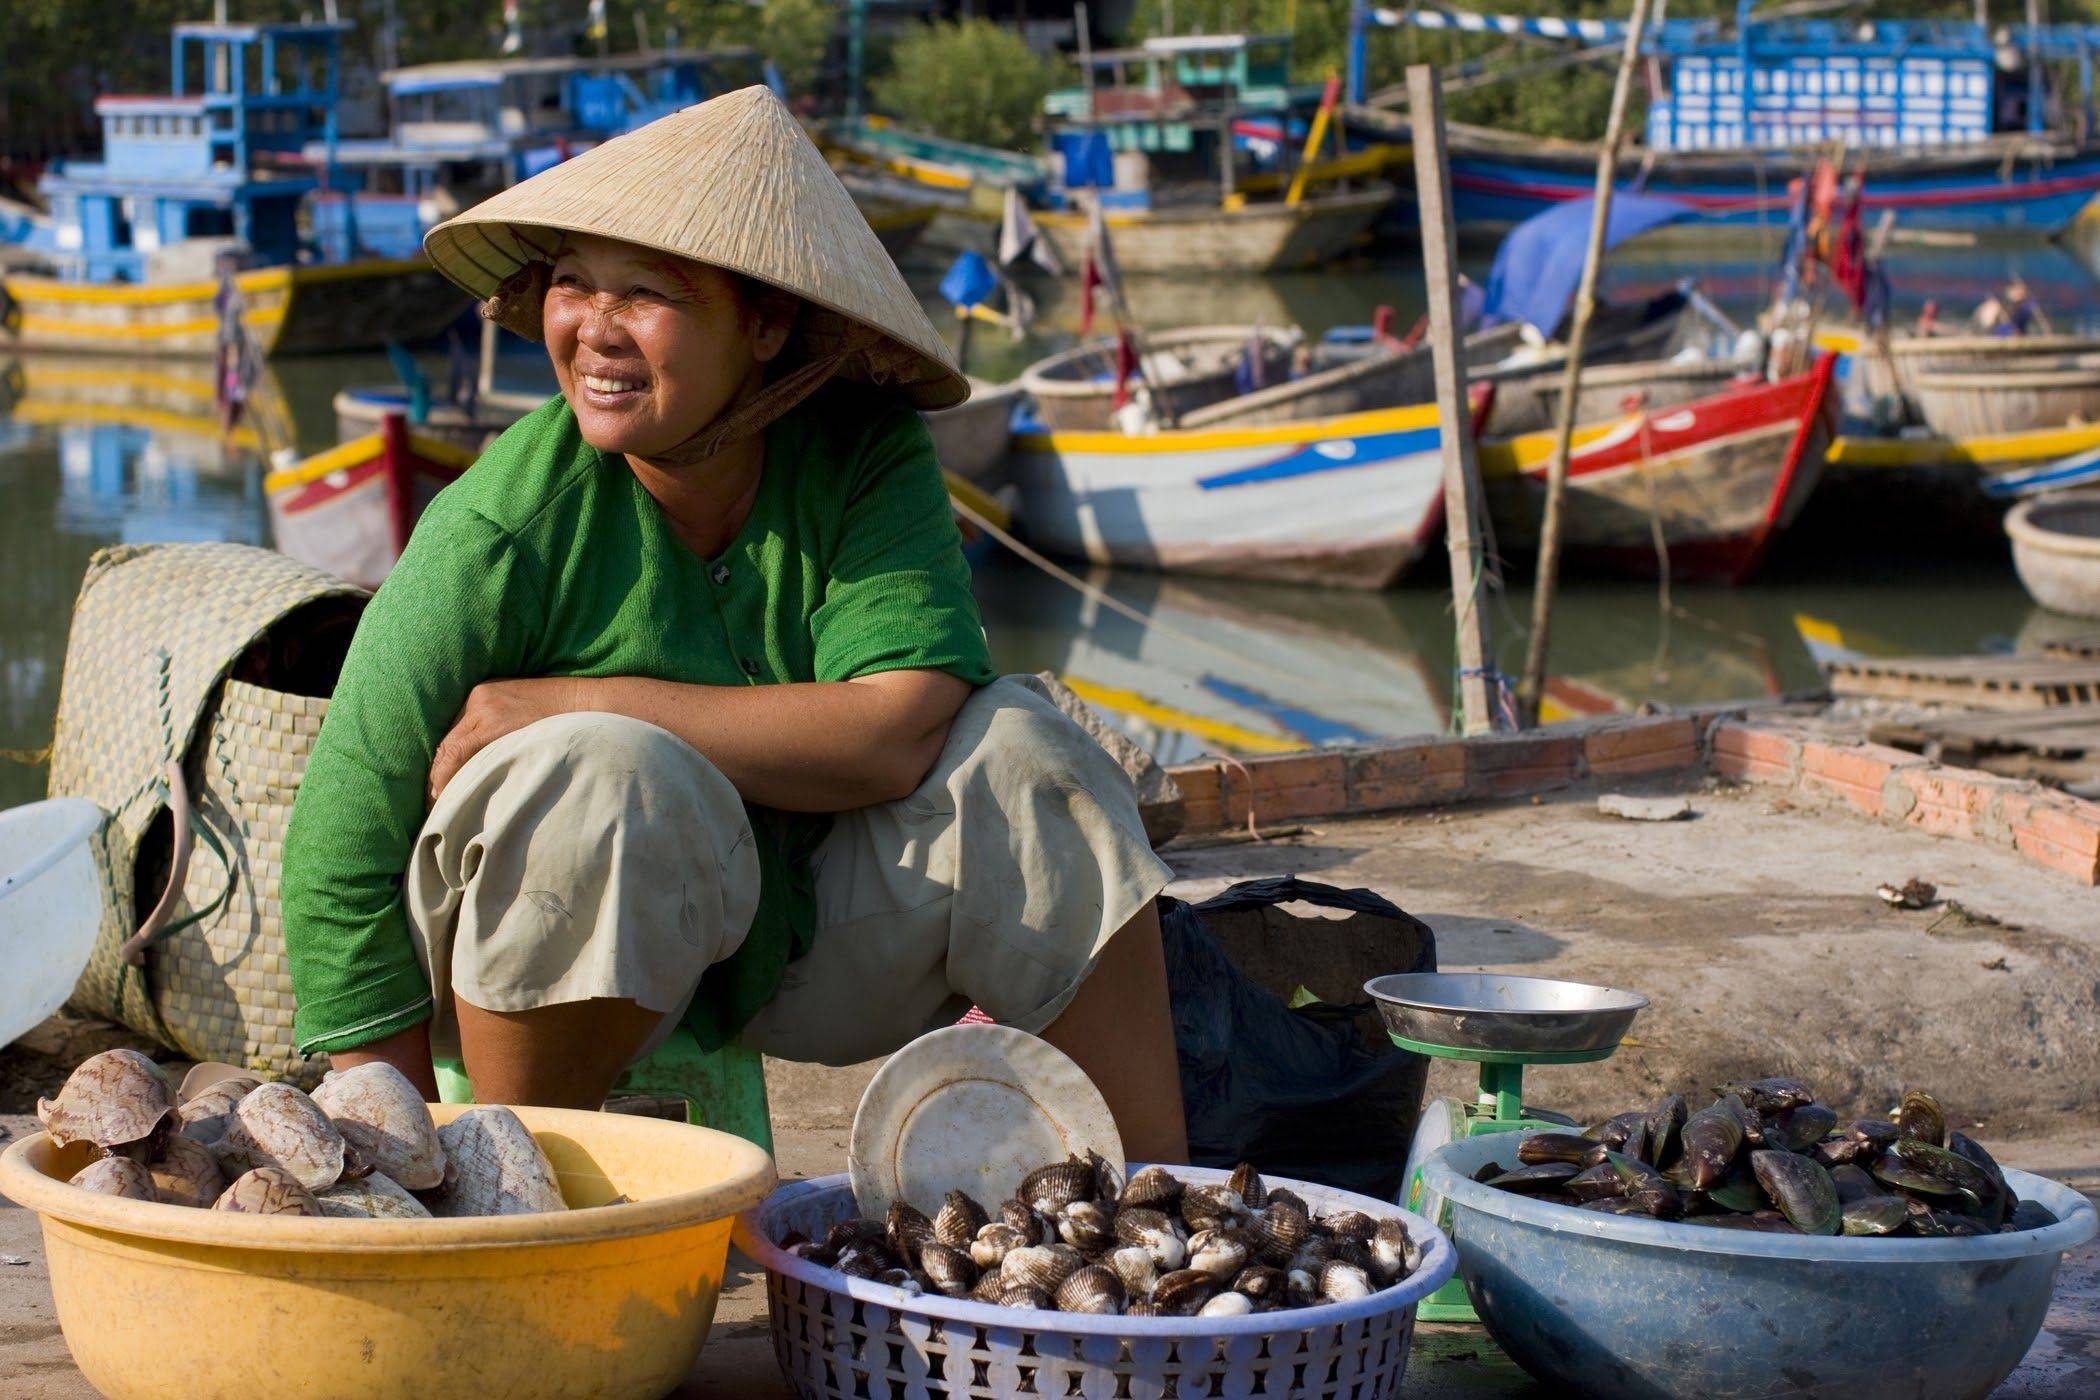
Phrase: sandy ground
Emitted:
{"points": [[1754, 928]]}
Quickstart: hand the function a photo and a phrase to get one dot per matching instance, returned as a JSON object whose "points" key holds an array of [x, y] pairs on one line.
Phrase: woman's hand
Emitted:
{"points": [[497, 708]]}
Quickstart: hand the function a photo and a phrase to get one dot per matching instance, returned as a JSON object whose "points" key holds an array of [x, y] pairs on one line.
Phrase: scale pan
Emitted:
{"points": [[1498, 1011]]}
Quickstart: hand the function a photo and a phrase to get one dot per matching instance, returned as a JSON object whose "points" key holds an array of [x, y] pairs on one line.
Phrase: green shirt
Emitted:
{"points": [[548, 558]]}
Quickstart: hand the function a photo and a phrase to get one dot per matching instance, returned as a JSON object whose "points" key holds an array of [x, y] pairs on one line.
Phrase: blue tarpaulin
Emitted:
{"points": [[1089, 163], [969, 280], [1540, 262]]}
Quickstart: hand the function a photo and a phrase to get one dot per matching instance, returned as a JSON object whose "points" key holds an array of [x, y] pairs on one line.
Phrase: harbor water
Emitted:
{"points": [[96, 452]]}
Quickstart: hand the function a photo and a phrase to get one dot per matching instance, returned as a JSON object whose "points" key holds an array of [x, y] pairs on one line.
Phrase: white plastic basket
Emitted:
{"points": [[841, 1338]]}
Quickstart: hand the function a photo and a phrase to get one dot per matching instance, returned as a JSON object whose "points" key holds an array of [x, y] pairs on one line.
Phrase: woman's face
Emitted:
{"points": [[649, 348]]}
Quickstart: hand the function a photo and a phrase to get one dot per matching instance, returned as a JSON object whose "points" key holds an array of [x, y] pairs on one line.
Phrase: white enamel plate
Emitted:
{"points": [[972, 1108]]}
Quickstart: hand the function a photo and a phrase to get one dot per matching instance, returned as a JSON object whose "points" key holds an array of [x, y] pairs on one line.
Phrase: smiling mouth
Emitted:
{"points": [[599, 384]]}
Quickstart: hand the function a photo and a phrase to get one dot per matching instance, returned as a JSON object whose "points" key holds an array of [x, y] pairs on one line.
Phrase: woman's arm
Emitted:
{"points": [[820, 746]]}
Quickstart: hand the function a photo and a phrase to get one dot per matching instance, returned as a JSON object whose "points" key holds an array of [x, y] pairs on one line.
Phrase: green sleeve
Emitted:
{"points": [[897, 590], [457, 610]]}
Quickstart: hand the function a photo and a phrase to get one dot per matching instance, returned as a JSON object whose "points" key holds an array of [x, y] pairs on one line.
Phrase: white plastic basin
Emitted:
{"points": [[50, 907]]}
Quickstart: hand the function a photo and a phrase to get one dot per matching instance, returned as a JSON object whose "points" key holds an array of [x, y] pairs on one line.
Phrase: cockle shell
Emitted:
{"points": [[185, 1173], [373, 1197], [1349, 1222], [1135, 1265], [1158, 1234], [1154, 1188], [1227, 1305], [1344, 1283], [497, 1165], [278, 1126], [1182, 1292], [116, 1100], [268, 1191], [951, 1270], [1278, 1229], [1050, 1189], [1263, 1283], [906, 1230], [207, 1116], [1043, 1266], [1206, 1207], [990, 1284], [1221, 1252], [960, 1220], [1022, 1295], [993, 1243], [382, 1116], [1093, 1289], [1394, 1253], [1087, 1226], [115, 1176], [1247, 1181]]}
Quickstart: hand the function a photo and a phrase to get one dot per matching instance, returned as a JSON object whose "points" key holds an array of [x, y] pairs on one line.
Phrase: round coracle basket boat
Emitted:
{"points": [[165, 1301], [2056, 549], [1644, 1309], [1980, 403], [1075, 390], [837, 1336]]}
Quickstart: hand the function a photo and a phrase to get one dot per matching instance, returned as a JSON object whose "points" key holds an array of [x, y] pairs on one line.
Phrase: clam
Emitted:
{"points": [[848, 1232], [1050, 1189], [1301, 1287], [1093, 1289], [1087, 1226], [1394, 1253], [1285, 1196], [1351, 1222], [990, 1284], [115, 1176], [960, 1219], [1023, 1295], [276, 1125], [1221, 1252], [185, 1173], [1344, 1283], [951, 1270], [1025, 1218], [382, 1116], [1247, 1181], [1205, 1207], [116, 1100], [1919, 1116], [207, 1115], [498, 1167], [1043, 1266], [1108, 1178], [1137, 1268], [903, 1279], [1141, 1307], [268, 1191], [1182, 1292], [1154, 1188], [1161, 1237], [861, 1259], [1228, 1304], [1262, 1283], [1278, 1229], [993, 1242], [906, 1230], [374, 1196]]}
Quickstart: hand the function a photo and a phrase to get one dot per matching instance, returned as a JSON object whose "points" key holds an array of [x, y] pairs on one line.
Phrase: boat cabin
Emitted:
{"points": [[1160, 95], [208, 166]]}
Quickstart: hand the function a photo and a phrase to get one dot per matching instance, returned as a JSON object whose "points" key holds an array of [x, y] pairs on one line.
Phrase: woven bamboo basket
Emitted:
{"points": [[154, 729]]}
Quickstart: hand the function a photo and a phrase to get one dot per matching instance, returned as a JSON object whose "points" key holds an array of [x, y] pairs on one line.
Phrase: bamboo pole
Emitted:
{"points": [[1534, 682], [1462, 503]]}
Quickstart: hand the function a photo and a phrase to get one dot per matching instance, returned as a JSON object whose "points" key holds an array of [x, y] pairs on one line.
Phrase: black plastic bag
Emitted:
{"points": [[1318, 1093]]}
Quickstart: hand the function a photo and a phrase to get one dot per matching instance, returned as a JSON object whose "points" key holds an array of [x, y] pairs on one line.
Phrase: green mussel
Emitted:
{"points": [[1875, 1215], [1800, 1188]]}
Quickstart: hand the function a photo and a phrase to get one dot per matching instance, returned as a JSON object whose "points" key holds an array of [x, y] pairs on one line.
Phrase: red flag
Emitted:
{"points": [[1848, 251], [1089, 282], [1126, 365]]}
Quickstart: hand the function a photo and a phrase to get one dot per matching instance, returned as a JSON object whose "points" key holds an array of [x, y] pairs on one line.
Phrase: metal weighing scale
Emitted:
{"points": [[1503, 1023]]}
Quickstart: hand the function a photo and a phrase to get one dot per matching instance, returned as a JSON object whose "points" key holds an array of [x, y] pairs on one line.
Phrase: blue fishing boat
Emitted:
{"points": [[1950, 120], [190, 221], [462, 131]]}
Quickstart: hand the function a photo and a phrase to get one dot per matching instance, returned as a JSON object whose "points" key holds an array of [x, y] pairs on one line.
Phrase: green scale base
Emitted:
{"points": [[1499, 1108]]}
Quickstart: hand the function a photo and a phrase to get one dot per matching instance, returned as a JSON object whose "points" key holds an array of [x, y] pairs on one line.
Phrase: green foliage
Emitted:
{"points": [[795, 35], [972, 79]]}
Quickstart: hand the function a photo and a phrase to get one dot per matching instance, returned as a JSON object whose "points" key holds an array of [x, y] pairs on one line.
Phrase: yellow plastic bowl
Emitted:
{"points": [[168, 1301]]}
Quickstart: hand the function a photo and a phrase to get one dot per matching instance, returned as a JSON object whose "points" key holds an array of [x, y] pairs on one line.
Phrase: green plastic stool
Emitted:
{"points": [[725, 1090]]}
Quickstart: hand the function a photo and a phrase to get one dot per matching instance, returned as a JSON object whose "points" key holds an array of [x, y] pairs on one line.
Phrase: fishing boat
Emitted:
{"points": [[349, 510], [166, 399], [190, 220], [1346, 502], [1708, 484], [1386, 378], [959, 174], [1976, 403], [470, 425], [1181, 370], [972, 438], [2056, 549], [1951, 121], [1236, 237]]}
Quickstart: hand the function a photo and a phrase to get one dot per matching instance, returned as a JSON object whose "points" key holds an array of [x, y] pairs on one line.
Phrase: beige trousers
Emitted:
{"points": [[594, 855]]}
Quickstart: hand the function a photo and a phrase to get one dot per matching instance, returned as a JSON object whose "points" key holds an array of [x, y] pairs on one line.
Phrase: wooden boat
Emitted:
{"points": [[971, 439], [1243, 237], [1974, 403], [1347, 502], [1527, 398], [1074, 391], [2056, 550], [166, 398], [1381, 379], [1887, 365], [362, 408], [1719, 477], [956, 168], [349, 510], [293, 309]]}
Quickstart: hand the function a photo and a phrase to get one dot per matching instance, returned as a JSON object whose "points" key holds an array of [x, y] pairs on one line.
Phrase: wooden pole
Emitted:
{"points": [[1462, 503], [1534, 682]]}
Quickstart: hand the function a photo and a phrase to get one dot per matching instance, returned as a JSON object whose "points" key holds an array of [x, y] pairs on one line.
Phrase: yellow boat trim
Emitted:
{"points": [[2035, 445], [1371, 160], [1838, 342], [197, 386], [974, 496], [126, 330], [1384, 420], [1311, 209], [1129, 702], [35, 289], [360, 450], [1816, 629], [1514, 456], [929, 173], [155, 420]]}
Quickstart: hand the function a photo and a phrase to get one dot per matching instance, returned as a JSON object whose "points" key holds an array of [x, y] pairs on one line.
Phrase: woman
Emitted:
{"points": [[677, 708]]}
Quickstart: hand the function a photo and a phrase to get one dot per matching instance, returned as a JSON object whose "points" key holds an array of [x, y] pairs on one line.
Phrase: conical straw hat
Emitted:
{"points": [[734, 182]]}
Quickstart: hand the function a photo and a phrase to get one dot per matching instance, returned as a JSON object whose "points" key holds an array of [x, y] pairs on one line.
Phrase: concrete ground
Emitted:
{"points": [[1753, 926]]}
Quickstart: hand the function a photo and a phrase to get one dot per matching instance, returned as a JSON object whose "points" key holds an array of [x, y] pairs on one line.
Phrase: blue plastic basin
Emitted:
{"points": [[1611, 1305]]}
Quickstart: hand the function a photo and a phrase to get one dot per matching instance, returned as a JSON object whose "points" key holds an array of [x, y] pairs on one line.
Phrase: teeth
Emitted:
{"points": [[610, 386]]}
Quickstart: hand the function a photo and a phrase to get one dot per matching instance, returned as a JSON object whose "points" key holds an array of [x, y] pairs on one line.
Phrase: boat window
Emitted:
{"points": [[204, 221]]}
